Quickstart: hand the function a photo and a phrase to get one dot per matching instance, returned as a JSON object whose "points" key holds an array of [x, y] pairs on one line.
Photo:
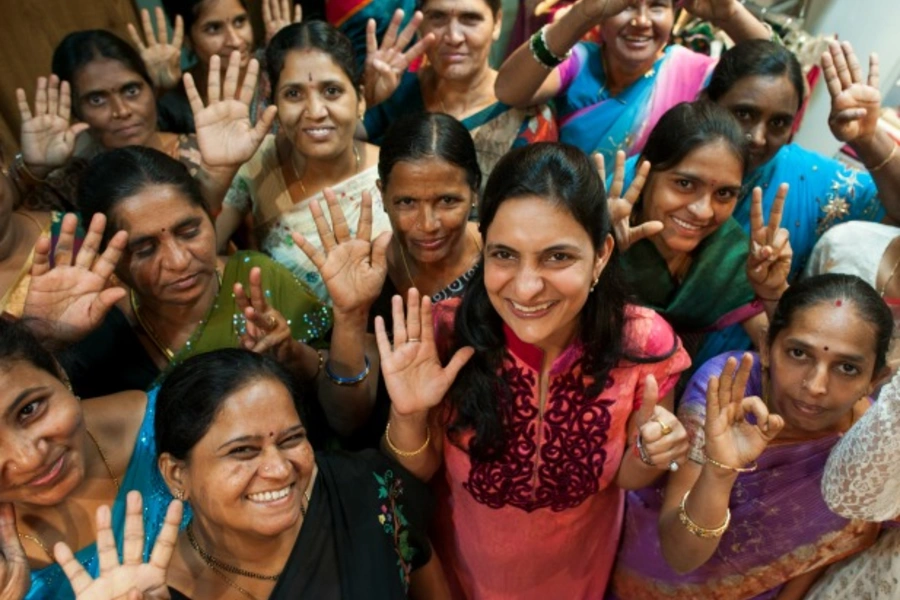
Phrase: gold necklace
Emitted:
{"points": [[300, 179], [36, 539]]}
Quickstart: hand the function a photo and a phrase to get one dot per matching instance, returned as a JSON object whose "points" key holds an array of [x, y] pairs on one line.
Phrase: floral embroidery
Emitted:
{"points": [[390, 489]]}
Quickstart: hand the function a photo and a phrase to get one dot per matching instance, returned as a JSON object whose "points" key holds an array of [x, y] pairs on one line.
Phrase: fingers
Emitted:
{"points": [[739, 385], [756, 211], [53, 96], [840, 65], [148, 27], [133, 538], [10, 545], [91, 245], [106, 300], [264, 123], [178, 33], [298, 13], [135, 36], [874, 77], [214, 81], [409, 31], [311, 251], [459, 360], [326, 236], [399, 319], [75, 573], [65, 245], [364, 225], [848, 115], [853, 66], [645, 230], [829, 72], [712, 399], [600, 164], [193, 96], [248, 86], [338, 223], [427, 324], [106, 264], [618, 182], [413, 320], [232, 75], [266, 11], [40, 97], [381, 339], [106, 543], [371, 40], [240, 297], [378, 257], [776, 212], [637, 184], [257, 296], [648, 400], [22, 101], [420, 47], [390, 35], [168, 536], [40, 263], [65, 102]]}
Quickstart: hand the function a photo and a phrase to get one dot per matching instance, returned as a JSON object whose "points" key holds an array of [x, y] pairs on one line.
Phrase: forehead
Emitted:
{"points": [[104, 74], [425, 177], [219, 10], [767, 93], [19, 375], [154, 207], [256, 408], [532, 223], [712, 161], [311, 66], [457, 6], [841, 328]]}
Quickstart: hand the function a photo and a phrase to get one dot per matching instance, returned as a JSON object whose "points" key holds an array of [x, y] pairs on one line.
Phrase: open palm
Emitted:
{"points": [[855, 102], [162, 59], [621, 206], [48, 139], [386, 64]]}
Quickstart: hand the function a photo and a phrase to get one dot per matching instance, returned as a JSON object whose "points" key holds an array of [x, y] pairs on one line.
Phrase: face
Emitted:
{"points": [[821, 365], [634, 38], [465, 30], [428, 202], [42, 437], [250, 470], [693, 198], [116, 102], [318, 107], [222, 27], [171, 252], [766, 107], [539, 268]]}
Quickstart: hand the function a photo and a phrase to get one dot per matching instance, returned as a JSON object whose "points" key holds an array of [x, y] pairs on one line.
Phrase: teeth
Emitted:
{"points": [[636, 39], [687, 225], [318, 131], [532, 309], [269, 496]]}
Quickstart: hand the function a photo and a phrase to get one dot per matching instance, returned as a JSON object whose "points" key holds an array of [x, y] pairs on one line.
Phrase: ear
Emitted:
{"points": [[174, 473], [603, 255], [498, 25], [880, 378], [380, 187]]}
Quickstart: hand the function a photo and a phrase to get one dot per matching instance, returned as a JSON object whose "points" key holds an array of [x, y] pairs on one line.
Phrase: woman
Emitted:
{"points": [[561, 377], [456, 80], [183, 300], [271, 519], [352, 17], [761, 83], [64, 458], [693, 269], [316, 87], [638, 76], [745, 518]]}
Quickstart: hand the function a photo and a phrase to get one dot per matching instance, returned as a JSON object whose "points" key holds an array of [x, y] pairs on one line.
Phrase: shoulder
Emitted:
{"points": [[115, 421], [647, 333]]}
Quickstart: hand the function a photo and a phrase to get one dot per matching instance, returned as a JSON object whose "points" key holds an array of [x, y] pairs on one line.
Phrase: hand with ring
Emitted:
{"points": [[267, 329], [662, 441]]}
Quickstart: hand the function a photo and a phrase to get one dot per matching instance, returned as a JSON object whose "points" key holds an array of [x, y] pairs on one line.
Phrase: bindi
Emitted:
{"points": [[826, 348], [310, 76], [838, 303], [271, 434]]}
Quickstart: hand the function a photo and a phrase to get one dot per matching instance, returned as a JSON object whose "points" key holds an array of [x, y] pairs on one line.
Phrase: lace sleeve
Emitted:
{"points": [[861, 479]]}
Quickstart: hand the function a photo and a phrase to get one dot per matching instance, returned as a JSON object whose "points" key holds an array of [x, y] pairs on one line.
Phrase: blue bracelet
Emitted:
{"points": [[338, 380]]}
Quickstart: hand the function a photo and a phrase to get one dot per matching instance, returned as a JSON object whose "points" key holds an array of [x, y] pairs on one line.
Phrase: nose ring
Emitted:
{"points": [[634, 23], [749, 136]]}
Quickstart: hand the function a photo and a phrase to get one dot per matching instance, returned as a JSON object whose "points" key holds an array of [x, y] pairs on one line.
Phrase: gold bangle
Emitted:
{"points": [[404, 453], [701, 532], [716, 463], [23, 170], [885, 161]]}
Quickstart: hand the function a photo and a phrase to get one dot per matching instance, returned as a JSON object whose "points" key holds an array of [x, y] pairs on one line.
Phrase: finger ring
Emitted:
{"points": [[673, 466], [666, 430], [272, 322], [413, 341]]}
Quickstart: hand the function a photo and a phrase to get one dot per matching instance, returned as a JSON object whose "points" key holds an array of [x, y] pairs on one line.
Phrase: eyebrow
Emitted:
{"points": [[556, 248], [139, 241], [254, 438], [693, 177], [24, 395], [119, 89], [856, 358]]}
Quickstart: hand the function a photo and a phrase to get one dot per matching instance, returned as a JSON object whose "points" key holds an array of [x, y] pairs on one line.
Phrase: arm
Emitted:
{"points": [[732, 17], [796, 588], [428, 582], [227, 223]]}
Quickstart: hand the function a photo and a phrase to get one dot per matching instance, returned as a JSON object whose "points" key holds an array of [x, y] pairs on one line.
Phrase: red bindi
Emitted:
{"points": [[838, 303], [271, 433], [826, 348]]}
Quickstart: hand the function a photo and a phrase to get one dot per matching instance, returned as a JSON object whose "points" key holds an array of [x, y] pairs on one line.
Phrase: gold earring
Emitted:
{"points": [[595, 282], [180, 495]]}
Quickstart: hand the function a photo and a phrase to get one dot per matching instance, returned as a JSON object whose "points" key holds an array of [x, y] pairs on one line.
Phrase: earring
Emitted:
{"points": [[595, 282], [180, 495]]}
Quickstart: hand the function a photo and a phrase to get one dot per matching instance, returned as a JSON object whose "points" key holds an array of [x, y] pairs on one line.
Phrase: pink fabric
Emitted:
{"points": [[543, 520]]}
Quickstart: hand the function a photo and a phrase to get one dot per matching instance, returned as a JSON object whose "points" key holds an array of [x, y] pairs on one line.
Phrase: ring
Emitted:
{"points": [[673, 466], [272, 322], [666, 430], [413, 341]]}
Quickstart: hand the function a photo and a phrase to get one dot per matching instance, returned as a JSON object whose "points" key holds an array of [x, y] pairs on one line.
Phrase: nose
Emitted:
{"points": [[175, 257], [315, 108], [756, 136], [454, 32], [428, 221], [641, 15], [22, 455], [816, 382], [274, 465], [701, 208], [120, 108], [232, 39], [528, 283]]}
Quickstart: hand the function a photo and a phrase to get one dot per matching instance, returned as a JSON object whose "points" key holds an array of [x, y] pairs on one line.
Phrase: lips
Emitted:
{"points": [[318, 133], [185, 282], [270, 496], [810, 410], [130, 130], [688, 226], [429, 244], [50, 475], [533, 310]]}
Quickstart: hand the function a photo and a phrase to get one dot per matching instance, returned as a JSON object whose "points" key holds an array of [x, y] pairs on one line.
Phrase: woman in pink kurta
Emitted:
{"points": [[558, 379]]}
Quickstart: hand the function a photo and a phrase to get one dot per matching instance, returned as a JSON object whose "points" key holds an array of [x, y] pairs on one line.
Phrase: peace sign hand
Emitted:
{"points": [[730, 438], [133, 578], [266, 328], [48, 140], [15, 575], [415, 379], [769, 260], [621, 207], [385, 64], [277, 16], [225, 134], [162, 59], [353, 269], [855, 105], [662, 436]]}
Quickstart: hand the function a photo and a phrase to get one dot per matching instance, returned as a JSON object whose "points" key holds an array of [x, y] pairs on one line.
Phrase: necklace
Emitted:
{"points": [[36, 539], [300, 179], [412, 282]]}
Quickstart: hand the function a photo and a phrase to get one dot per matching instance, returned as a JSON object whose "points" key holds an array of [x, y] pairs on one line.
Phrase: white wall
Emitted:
{"points": [[871, 26]]}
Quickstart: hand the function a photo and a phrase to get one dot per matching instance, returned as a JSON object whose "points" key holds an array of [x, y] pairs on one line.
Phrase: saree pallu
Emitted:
{"points": [[780, 526], [596, 121]]}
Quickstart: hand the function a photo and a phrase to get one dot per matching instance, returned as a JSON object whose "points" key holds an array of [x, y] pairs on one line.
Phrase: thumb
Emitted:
{"points": [[459, 360], [379, 249], [648, 400], [106, 300]]}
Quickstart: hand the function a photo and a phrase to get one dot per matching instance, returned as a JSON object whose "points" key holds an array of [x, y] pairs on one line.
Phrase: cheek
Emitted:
{"points": [[495, 279]]}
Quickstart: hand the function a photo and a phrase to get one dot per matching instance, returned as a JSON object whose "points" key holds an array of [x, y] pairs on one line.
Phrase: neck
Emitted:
{"points": [[10, 239], [178, 321], [320, 173], [460, 96], [262, 554], [620, 76]]}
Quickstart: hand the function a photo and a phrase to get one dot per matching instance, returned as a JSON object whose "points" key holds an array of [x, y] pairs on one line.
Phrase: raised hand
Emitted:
{"points": [[15, 575], [662, 436], [620, 207], [132, 578], [769, 261], [412, 371], [162, 59], [48, 140], [385, 64], [730, 438], [277, 16], [267, 329], [225, 134], [714, 11], [855, 104], [353, 269], [71, 299]]}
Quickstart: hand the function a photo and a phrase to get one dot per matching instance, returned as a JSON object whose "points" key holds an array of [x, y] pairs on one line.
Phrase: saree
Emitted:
{"points": [[351, 16], [596, 121], [780, 526], [142, 475], [495, 129]]}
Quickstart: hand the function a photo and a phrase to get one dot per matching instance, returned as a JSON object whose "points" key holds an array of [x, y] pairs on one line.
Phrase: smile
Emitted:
{"points": [[430, 244], [687, 225], [50, 475], [808, 409], [532, 310], [265, 497], [318, 133], [637, 39]]}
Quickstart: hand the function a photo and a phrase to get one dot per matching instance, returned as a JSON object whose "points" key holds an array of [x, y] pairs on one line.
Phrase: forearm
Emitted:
{"points": [[873, 152], [742, 26], [214, 183], [409, 434], [635, 474], [707, 507], [796, 588]]}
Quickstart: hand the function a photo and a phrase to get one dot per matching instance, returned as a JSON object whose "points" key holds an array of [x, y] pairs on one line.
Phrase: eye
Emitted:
{"points": [[502, 255], [31, 410], [449, 200], [725, 194], [742, 114], [848, 369], [291, 94], [404, 202], [781, 123], [144, 251], [471, 19], [243, 452], [96, 100], [560, 257], [796, 353], [293, 441], [212, 29], [333, 91], [132, 90], [191, 232], [240, 21], [684, 184]]}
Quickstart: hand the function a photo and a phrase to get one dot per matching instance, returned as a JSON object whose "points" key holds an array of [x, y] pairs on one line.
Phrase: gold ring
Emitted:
{"points": [[272, 322], [413, 341], [666, 430]]}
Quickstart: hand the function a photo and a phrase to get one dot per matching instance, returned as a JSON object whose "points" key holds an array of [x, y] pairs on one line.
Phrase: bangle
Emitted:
{"points": [[758, 297], [701, 532], [318, 366], [24, 172], [338, 380], [882, 164], [716, 463], [641, 452], [404, 453], [541, 53]]}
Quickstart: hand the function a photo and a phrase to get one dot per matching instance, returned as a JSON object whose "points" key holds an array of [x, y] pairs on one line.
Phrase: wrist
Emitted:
{"points": [[356, 318], [416, 419]]}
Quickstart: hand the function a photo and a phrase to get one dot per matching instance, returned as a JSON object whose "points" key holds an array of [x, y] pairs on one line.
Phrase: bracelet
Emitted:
{"points": [[758, 297], [24, 172], [319, 366], [338, 380], [716, 463], [404, 453], [882, 164], [641, 452], [541, 53], [701, 532]]}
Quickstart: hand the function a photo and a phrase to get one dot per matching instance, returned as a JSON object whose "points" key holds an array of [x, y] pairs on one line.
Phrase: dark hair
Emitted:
{"points": [[687, 126], [18, 344], [188, 10], [80, 48], [494, 5], [429, 135], [194, 392], [116, 175], [829, 288], [311, 35], [755, 58], [564, 176]]}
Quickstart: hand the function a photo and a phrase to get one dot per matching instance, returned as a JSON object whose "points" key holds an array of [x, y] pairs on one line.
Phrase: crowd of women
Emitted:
{"points": [[351, 314]]}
